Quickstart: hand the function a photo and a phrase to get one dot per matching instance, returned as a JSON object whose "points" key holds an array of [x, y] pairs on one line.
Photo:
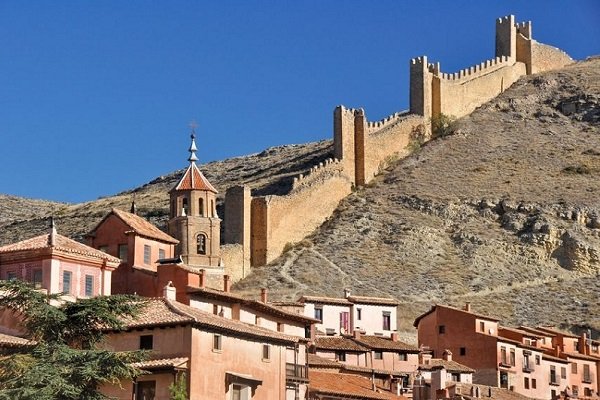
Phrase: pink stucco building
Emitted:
{"points": [[59, 265]]}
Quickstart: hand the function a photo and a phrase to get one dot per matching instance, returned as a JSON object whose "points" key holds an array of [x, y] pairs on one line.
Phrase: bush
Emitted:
{"points": [[442, 125]]}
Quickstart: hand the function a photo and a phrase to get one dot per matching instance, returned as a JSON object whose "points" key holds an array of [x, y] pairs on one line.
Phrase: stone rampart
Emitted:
{"points": [[281, 220], [263, 226]]}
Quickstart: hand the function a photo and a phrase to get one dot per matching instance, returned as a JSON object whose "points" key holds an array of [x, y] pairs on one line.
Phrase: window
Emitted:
{"points": [[358, 314], [402, 357], [512, 357], [215, 309], [184, 206], [455, 377], [146, 390], [256, 320], [378, 355], [173, 212], [201, 207], [587, 377], [481, 326], [587, 392], [533, 383], [146, 342], [37, 278], [12, 275], [212, 208], [67, 275], [595, 347], [319, 313], [526, 383], [553, 377], [340, 355], [201, 244], [103, 249], [89, 285], [442, 329], [526, 362], [123, 252], [161, 254], [503, 355], [266, 353], [217, 342], [537, 360], [563, 372], [239, 392], [147, 253], [387, 321], [463, 351]]}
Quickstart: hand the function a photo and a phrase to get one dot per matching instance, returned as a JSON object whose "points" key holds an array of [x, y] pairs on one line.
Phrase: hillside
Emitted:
{"points": [[267, 172], [504, 213]]}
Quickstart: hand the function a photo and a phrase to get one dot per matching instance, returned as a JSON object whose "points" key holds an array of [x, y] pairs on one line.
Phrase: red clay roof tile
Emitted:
{"points": [[352, 386], [193, 179]]}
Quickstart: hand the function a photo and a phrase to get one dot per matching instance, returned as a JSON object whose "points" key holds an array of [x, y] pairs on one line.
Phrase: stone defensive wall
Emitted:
{"points": [[257, 230]]}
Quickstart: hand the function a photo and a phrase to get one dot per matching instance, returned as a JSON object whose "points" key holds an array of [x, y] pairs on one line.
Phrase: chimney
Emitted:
{"points": [[226, 283], [394, 336], [356, 334], [447, 355], [347, 293], [263, 295], [52, 237], [468, 307], [169, 291], [202, 278], [133, 209]]}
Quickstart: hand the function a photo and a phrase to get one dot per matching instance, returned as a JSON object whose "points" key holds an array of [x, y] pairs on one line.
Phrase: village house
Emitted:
{"points": [[222, 358], [437, 378], [535, 362], [339, 316], [58, 264]]}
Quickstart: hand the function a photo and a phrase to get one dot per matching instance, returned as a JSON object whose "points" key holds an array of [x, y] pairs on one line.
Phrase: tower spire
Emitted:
{"points": [[193, 149]]}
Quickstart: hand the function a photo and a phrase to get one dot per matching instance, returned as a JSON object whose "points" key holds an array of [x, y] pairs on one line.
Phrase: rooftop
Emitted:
{"points": [[163, 363], [347, 386], [436, 306], [383, 343], [62, 245], [138, 225], [338, 343], [449, 365], [13, 341], [193, 179]]}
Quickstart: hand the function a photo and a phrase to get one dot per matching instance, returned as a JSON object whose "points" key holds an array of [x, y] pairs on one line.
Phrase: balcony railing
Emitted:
{"points": [[554, 379], [587, 378], [296, 372], [529, 367]]}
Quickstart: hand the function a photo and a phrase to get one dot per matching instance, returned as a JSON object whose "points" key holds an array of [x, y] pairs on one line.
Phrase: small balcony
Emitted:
{"points": [[587, 378], [529, 367], [296, 373], [554, 379]]}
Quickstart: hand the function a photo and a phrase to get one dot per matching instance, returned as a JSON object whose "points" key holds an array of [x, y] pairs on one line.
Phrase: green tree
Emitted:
{"points": [[65, 360], [178, 389]]}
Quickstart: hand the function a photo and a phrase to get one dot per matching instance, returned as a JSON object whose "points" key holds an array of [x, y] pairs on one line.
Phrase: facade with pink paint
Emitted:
{"points": [[340, 316], [59, 265]]}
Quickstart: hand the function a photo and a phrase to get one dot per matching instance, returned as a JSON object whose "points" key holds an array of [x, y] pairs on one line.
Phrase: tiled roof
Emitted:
{"points": [[346, 385], [536, 331], [556, 331], [254, 304], [163, 312], [520, 331], [62, 244], [316, 361], [581, 356], [139, 226], [382, 343], [373, 300], [553, 358], [517, 343], [179, 362], [193, 179], [13, 341], [324, 300], [435, 306], [338, 343], [496, 393], [450, 366], [387, 372]]}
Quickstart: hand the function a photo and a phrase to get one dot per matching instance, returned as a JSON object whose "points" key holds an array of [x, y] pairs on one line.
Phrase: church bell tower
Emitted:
{"points": [[193, 216]]}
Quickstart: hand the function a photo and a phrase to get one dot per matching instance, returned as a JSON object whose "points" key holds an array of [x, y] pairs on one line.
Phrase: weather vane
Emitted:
{"points": [[193, 125]]}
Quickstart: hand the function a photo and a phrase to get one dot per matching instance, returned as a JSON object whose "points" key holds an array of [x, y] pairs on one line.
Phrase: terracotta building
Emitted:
{"points": [[138, 244], [59, 265], [536, 362], [223, 358]]}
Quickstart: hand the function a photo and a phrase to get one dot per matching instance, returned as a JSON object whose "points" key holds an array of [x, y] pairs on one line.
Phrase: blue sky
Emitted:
{"points": [[96, 96]]}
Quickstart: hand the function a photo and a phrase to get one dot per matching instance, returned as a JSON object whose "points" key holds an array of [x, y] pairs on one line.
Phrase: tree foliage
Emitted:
{"points": [[178, 389], [442, 125], [65, 360]]}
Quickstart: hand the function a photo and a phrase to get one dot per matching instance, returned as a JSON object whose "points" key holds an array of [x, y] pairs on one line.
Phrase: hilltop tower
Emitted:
{"points": [[193, 216]]}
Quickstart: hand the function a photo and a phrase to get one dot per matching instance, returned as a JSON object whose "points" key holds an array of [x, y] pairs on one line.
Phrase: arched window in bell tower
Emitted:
{"points": [[201, 243], [201, 207], [184, 206]]}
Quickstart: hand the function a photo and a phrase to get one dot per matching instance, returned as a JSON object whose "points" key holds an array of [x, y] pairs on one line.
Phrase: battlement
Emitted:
{"points": [[507, 19], [524, 28], [477, 70], [317, 171], [373, 126]]}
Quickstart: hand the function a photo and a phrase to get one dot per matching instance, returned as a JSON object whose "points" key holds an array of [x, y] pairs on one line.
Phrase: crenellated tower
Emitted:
{"points": [[193, 216]]}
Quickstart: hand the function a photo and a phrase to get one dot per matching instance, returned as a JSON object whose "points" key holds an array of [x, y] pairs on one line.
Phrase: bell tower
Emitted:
{"points": [[193, 216]]}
